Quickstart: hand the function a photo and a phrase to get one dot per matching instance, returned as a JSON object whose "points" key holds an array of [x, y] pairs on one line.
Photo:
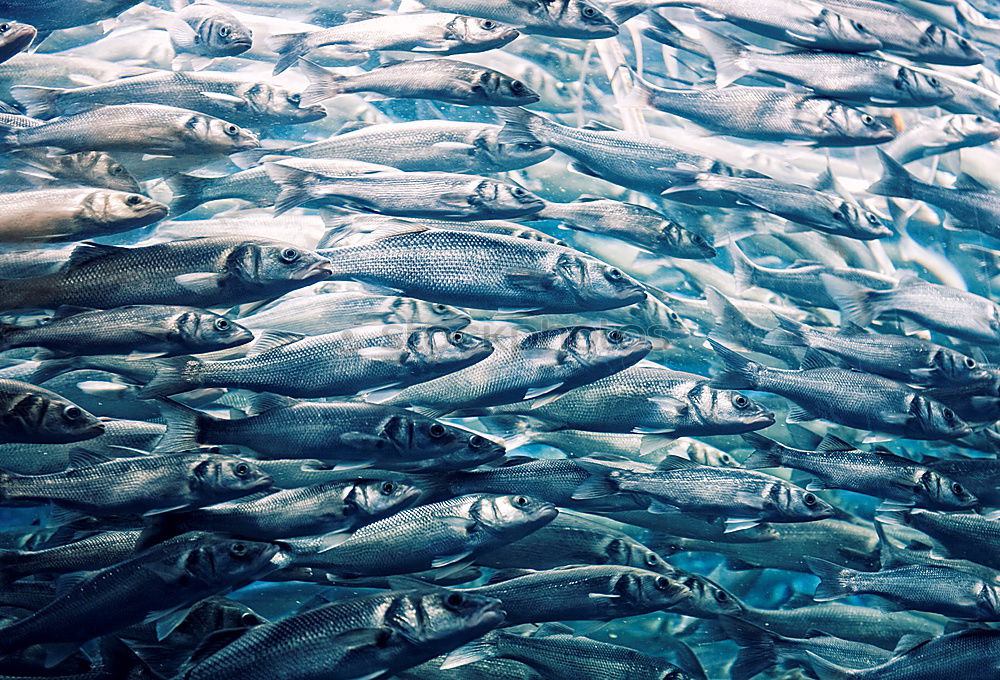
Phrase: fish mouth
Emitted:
{"points": [[509, 35], [320, 269], [20, 36]]}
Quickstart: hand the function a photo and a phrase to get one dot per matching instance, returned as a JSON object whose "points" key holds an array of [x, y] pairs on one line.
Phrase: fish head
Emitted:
{"points": [[862, 224], [45, 417], [922, 87], [945, 493], [231, 476], [581, 19], [843, 33], [855, 124], [223, 35], [596, 346], [731, 411], [218, 613], [796, 503], [15, 37], [203, 331], [439, 346], [972, 128], [936, 420], [516, 513], [989, 602], [279, 102], [450, 614], [598, 283], [218, 559], [411, 310], [656, 319], [700, 452], [217, 134], [380, 497], [120, 208], [683, 243], [944, 46], [98, 169], [506, 199], [509, 155], [651, 589], [483, 33], [504, 90], [955, 367], [708, 597], [277, 264]]}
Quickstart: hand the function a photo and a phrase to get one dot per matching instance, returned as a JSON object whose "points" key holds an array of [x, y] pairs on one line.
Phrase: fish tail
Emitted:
{"points": [[296, 186], [738, 372], [8, 139], [323, 84], [597, 485], [183, 427], [50, 368], [477, 650], [758, 653], [728, 56], [767, 452], [728, 318], [173, 376], [520, 126], [791, 334], [895, 181], [743, 269], [834, 580], [827, 670], [290, 47], [38, 102], [188, 192], [855, 302]]}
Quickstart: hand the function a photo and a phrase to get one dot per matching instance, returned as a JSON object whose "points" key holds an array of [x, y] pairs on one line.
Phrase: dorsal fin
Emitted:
{"points": [[599, 126], [271, 339], [966, 182], [676, 463], [833, 443], [89, 251], [80, 457]]}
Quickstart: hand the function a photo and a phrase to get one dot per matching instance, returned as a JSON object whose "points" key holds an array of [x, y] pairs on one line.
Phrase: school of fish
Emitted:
{"points": [[499, 339]]}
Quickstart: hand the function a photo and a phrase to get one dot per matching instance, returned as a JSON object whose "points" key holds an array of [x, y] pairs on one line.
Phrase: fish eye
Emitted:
{"points": [[696, 239], [517, 86], [809, 499], [248, 619], [652, 559], [979, 119], [662, 582], [721, 596], [872, 218], [225, 31], [519, 192], [231, 130], [241, 470], [439, 308], [116, 170], [488, 24], [615, 336], [4, 28], [615, 274], [289, 255], [948, 414], [454, 600], [674, 316], [475, 441], [739, 401], [963, 43], [133, 200], [837, 215], [457, 337], [866, 119], [436, 430], [72, 413], [933, 81], [238, 549], [970, 363], [222, 324], [957, 489], [588, 11], [520, 500], [387, 488], [726, 459]]}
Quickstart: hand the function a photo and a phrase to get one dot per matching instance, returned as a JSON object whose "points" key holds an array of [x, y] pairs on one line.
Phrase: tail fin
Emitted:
{"points": [[296, 186], [758, 652], [728, 319], [50, 368], [855, 302], [895, 181], [173, 376], [290, 47], [323, 84], [520, 126], [187, 192], [8, 137], [791, 334], [183, 427], [738, 372], [731, 58], [38, 102], [743, 269], [767, 452], [834, 580]]}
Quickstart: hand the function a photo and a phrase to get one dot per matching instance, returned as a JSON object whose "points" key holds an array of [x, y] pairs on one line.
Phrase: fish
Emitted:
{"points": [[561, 19], [861, 400], [98, 484], [941, 135], [33, 414], [74, 214], [208, 271], [135, 330], [207, 29]]}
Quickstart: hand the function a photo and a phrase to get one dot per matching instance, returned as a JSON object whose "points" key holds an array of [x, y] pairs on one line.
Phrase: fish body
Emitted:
{"points": [[73, 214], [34, 414]]}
